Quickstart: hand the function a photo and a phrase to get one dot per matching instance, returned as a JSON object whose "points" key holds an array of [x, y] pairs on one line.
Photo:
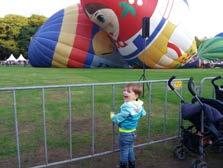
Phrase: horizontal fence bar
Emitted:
{"points": [[102, 153], [83, 85]]}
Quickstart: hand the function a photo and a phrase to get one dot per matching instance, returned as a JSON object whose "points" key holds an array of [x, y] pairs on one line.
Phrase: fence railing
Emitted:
{"points": [[203, 84], [58, 124]]}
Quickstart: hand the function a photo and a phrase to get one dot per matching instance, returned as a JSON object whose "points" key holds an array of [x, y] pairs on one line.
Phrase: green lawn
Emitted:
{"points": [[30, 117], [28, 76]]}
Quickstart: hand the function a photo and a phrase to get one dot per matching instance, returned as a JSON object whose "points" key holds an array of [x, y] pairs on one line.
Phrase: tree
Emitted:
{"points": [[24, 39], [14, 24], [15, 33], [36, 20], [7, 47]]}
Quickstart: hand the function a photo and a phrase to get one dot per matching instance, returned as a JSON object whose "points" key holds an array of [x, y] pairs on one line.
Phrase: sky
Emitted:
{"points": [[204, 14]]}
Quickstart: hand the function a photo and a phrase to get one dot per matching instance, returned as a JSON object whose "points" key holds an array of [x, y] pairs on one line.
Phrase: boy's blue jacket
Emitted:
{"points": [[129, 114]]}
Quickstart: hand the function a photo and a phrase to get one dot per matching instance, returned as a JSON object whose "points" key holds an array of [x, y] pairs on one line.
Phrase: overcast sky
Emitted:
{"points": [[205, 14]]}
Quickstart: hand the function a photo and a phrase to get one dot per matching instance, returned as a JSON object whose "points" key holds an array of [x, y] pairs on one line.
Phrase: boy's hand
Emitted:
{"points": [[112, 114]]}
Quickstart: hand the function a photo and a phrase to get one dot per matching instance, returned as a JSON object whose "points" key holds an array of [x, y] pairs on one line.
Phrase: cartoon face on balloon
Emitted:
{"points": [[103, 17], [121, 19]]}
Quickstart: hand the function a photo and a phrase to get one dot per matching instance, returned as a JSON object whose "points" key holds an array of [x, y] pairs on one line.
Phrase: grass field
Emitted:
{"points": [[30, 117], [28, 76]]}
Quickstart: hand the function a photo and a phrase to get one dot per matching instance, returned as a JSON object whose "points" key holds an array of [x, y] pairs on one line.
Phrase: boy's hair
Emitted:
{"points": [[136, 88]]}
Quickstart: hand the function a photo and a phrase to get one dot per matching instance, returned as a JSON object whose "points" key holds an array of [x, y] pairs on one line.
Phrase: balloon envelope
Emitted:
{"points": [[168, 44], [105, 33], [211, 49], [219, 35], [70, 39]]}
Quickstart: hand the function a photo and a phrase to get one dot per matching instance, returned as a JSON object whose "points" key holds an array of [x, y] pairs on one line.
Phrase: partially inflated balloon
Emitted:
{"points": [[210, 52], [108, 33], [70, 39], [168, 45], [219, 35]]}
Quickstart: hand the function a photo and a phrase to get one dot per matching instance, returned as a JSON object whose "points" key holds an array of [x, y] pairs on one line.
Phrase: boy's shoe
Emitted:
{"points": [[132, 164], [123, 165]]}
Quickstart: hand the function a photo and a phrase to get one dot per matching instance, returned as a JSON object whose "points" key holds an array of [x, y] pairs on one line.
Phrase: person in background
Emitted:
{"points": [[127, 120]]}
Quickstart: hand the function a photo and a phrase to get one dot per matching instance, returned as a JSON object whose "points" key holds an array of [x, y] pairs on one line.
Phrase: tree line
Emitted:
{"points": [[16, 32]]}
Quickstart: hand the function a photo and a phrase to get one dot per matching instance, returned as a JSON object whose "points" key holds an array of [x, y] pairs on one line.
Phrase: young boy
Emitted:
{"points": [[127, 120]]}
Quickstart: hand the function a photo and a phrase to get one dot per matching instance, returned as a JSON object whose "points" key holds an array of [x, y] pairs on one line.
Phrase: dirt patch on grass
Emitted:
{"points": [[153, 156]]}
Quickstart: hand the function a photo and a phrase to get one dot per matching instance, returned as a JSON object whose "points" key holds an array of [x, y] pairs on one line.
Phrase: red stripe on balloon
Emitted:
{"points": [[175, 48], [82, 41]]}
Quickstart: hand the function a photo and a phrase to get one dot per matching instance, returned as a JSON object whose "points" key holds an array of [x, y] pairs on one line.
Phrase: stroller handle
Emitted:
{"points": [[216, 78], [191, 86], [173, 89], [170, 82]]}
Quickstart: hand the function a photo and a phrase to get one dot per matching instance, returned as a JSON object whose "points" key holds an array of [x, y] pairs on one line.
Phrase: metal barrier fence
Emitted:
{"points": [[204, 83], [58, 124]]}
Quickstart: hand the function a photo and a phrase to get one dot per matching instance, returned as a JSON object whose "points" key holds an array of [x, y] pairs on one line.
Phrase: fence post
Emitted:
{"points": [[180, 120], [149, 110], [165, 111], [93, 119], [44, 125], [16, 128], [70, 121], [113, 125]]}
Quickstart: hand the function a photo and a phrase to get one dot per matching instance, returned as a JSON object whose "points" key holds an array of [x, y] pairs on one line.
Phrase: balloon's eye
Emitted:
{"points": [[100, 18]]}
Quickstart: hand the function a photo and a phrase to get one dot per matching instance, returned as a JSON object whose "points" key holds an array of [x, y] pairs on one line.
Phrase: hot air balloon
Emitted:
{"points": [[109, 34], [70, 39], [210, 52], [219, 35], [168, 45]]}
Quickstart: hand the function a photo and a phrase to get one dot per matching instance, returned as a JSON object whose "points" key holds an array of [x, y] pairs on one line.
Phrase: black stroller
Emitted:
{"points": [[216, 103], [203, 131]]}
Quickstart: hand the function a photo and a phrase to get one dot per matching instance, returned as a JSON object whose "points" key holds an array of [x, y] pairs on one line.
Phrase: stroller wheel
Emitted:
{"points": [[217, 149], [220, 149], [180, 152], [199, 164]]}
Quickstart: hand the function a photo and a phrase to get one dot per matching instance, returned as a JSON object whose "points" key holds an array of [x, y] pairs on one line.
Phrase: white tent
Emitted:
{"points": [[21, 58], [11, 58]]}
